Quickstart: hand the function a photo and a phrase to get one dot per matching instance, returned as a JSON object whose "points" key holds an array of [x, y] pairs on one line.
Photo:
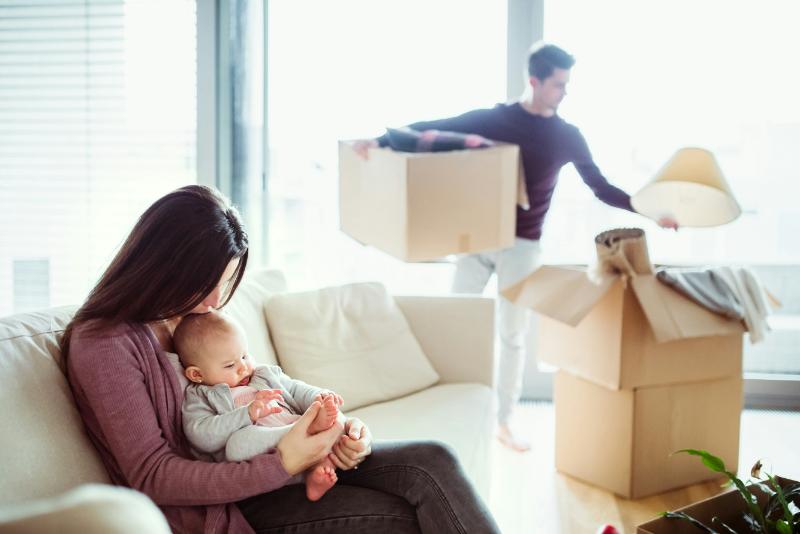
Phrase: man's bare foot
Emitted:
{"points": [[507, 438], [320, 479], [325, 417]]}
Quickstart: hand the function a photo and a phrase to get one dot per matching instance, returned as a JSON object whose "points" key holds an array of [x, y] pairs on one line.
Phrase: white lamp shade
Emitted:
{"points": [[690, 188]]}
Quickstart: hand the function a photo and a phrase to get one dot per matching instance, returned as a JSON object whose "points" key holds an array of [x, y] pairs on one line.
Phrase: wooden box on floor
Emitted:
{"points": [[622, 440]]}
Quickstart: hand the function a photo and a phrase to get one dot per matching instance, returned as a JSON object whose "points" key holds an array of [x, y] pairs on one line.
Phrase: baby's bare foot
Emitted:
{"points": [[325, 417], [320, 479]]}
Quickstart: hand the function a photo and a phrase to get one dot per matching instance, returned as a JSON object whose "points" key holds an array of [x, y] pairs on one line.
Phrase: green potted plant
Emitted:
{"points": [[765, 505]]}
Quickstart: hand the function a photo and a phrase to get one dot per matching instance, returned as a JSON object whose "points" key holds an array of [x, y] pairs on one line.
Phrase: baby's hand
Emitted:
{"points": [[261, 408], [320, 397], [269, 395]]}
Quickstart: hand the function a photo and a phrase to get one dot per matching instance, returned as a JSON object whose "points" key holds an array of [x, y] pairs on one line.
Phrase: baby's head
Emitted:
{"points": [[213, 350]]}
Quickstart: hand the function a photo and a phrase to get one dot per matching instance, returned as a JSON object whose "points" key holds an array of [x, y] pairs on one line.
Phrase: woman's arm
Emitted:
{"points": [[114, 393]]}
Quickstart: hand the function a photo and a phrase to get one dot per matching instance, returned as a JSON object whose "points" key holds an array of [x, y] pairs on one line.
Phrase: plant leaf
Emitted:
{"points": [[690, 519], [754, 525], [709, 460], [790, 493], [765, 488], [752, 504], [783, 527], [717, 520], [755, 472], [787, 515]]}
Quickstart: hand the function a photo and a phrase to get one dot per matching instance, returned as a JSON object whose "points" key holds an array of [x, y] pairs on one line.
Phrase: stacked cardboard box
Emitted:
{"points": [[424, 206], [643, 372]]}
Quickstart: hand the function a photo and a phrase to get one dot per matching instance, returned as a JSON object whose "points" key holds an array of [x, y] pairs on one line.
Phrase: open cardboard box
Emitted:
{"points": [[623, 440], [427, 205], [729, 507], [627, 333]]}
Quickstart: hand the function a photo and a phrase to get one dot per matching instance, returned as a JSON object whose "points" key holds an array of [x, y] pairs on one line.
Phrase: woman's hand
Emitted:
{"points": [[299, 450], [353, 447]]}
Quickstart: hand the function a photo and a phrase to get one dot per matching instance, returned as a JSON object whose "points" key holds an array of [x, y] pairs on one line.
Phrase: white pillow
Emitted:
{"points": [[247, 308], [352, 339]]}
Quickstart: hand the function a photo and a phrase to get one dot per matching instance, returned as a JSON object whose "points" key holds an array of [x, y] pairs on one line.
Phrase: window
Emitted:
{"points": [[714, 74], [349, 69], [97, 120]]}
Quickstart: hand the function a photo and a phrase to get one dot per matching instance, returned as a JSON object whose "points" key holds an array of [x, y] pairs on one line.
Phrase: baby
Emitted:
{"points": [[234, 409]]}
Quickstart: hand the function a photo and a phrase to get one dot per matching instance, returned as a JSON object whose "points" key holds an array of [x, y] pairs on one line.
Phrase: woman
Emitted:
{"points": [[187, 254]]}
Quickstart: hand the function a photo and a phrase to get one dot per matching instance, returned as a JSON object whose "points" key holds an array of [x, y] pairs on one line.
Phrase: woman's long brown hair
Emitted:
{"points": [[172, 259]]}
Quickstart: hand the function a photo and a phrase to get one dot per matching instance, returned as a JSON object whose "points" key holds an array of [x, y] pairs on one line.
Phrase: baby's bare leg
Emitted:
{"points": [[319, 479], [325, 417]]}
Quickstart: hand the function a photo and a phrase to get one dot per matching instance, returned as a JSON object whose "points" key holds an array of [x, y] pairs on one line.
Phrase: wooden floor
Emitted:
{"points": [[528, 496]]}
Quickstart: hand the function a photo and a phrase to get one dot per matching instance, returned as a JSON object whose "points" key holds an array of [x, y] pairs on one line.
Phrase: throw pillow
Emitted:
{"points": [[352, 339], [247, 308]]}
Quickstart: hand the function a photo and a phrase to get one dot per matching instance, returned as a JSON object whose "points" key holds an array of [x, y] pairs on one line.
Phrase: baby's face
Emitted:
{"points": [[226, 361]]}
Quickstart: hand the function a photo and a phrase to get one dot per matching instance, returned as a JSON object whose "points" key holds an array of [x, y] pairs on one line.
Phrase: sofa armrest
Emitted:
{"points": [[87, 509], [456, 333]]}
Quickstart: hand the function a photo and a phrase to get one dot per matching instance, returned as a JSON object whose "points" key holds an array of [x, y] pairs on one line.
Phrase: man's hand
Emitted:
{"points": [[362, 146]]}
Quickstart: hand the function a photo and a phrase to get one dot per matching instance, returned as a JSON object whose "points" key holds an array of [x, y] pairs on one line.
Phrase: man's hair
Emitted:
{"points": [[194, 331], [544, 58]]}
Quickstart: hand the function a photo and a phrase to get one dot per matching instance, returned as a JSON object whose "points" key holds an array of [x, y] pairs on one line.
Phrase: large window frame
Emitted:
{"points": [[525, 25]]}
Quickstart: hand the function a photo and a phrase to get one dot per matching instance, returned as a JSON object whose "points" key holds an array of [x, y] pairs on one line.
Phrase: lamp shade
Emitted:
{"points": [[691, 188]]}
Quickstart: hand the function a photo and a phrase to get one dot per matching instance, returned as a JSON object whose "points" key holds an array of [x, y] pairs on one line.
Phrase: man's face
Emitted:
{"points": [[552, 90]]}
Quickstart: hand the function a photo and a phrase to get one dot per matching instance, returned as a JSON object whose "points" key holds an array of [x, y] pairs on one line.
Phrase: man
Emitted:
{"points": [[546, 143]]}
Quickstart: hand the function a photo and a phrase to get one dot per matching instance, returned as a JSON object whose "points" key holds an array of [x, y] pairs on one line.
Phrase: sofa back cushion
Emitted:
{"points": [[247, 308], [352, 339], [45, 449]]}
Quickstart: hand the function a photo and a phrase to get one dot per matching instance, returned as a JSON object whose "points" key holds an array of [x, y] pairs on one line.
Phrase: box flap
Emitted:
{"points": [[673, 316], [561, 293]]}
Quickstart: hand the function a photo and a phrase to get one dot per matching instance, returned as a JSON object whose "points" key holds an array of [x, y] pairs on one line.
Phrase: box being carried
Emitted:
{"points": [[423, 206], [627, 331]]}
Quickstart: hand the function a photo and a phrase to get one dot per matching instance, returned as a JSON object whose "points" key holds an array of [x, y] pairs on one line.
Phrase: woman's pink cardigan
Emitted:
{"points": [[130, 400]]}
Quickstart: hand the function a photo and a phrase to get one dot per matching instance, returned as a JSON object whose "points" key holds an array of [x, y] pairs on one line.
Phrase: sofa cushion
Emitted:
{"points": [[247, 308], [352, 339], [45, 448], [461, 415]]}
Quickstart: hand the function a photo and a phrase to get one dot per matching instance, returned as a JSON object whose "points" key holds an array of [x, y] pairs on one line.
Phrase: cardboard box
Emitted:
{"points": [[424, 206], [729, 507], [622, 440], [627, 334]]}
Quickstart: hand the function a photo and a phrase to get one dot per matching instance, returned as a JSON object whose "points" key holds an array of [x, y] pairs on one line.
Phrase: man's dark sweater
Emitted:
{"points": [[546, 144]]}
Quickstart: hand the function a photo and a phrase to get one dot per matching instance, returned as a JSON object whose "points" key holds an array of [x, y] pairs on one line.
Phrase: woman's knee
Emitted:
{"points": [[437, 455]]}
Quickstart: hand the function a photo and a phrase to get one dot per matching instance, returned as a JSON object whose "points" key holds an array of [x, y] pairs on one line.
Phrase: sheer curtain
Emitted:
{"points": [[349, 69], [652, 77], [97, 120]]}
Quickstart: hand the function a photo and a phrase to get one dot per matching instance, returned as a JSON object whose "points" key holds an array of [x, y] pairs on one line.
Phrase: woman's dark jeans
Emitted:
{"points": [[403, 487]]}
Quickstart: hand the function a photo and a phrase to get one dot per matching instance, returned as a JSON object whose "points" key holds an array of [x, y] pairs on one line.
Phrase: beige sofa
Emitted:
{"points": [[50, 473]]}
